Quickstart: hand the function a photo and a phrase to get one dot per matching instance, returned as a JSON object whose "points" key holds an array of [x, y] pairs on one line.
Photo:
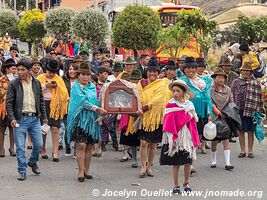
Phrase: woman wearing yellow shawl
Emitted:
{"points": [[152, 93], [56, 101]]}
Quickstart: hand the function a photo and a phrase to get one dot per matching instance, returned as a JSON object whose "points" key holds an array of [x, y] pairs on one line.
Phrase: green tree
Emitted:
{"points": [[92, 26], [173, 39], [58, 21], [31, 27], [8, 21], [136, 28], [250, 30], [198, 26], [36, 31]]}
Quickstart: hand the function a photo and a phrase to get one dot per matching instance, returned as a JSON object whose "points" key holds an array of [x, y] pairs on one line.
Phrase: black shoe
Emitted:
{"points": [[176, 190], [213, 166], [232, 140], [103, 147], [134, 165], [35, 168], [2, 153], [116, 147], [81, 179], [229, 167], [12, 153], [45, 157], [150, 174], [68, 152], [142, 175], [242, 155], [88, 176], [187, 189], [123, 159], [60, 147], [250, 155], [29, 147], [55, 159], [21, 177]]}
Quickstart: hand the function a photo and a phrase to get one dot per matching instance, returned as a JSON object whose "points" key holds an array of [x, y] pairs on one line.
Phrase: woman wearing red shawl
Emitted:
{"points": [[180, 135]]}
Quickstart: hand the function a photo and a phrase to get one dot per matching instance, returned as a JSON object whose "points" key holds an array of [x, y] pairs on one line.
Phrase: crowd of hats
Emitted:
{"points": [[54, 66]]}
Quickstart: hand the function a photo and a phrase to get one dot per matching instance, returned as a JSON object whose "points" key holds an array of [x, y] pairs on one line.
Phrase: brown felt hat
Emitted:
{"points": [[219, 72], [246, 67], [225, 62], [84, 68], [35, 61]]}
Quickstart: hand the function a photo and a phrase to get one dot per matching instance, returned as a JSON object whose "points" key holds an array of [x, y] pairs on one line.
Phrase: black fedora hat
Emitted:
{"points": [[190, 62], [170, 65], [9, 63], [52, 66], [201, 62], [153, 65], [244, 46]]}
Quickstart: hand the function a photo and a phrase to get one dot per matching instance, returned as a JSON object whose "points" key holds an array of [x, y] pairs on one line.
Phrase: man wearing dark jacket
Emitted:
{"points": [[144, 59], [25, 107]]}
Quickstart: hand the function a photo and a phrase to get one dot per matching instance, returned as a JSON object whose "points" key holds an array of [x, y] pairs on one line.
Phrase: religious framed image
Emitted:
{"points": [[120, 98]]}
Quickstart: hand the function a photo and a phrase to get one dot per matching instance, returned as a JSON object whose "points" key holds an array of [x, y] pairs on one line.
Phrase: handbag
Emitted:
{"points": [[259, 130], [223, 130]]}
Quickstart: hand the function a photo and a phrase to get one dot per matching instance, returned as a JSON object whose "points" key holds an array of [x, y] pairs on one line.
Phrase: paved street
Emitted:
{"points": [[58, 181]]}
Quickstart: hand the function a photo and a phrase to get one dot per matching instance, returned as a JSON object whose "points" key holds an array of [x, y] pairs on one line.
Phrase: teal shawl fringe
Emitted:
{"points": [[79, 115], [202, 100]]}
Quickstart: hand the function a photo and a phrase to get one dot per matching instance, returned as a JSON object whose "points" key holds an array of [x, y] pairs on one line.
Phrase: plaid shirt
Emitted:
{"points": [[253, 100]]}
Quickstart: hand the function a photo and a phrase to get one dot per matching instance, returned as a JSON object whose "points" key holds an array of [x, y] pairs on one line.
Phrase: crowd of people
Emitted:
{"points": [[176, 101]]}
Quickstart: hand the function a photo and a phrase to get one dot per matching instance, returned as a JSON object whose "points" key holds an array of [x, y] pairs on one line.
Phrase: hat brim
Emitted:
{"points": [[78, 61], [190, 65], [129, 63], [52, 70], [80, 71], [191, 94], [135, 78], [153, 68], [202, 65], [225, 64], [9, 65], [37, 62], [244, 69], [214, 75], [170, 67]]}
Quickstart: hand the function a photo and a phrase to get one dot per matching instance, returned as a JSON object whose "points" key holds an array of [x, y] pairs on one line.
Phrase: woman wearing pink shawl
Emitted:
{"points": [[180, 135]]}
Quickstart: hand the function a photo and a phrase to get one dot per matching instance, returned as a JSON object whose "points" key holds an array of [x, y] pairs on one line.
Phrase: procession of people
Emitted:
{"points": [[63, 97]]}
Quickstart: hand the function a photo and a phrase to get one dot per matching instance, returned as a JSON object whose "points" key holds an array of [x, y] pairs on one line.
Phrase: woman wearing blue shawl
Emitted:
{"points": [[200, 86], [82, 114]]}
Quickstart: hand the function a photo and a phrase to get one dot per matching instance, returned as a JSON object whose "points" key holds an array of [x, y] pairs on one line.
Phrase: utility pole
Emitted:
{"points": [[15, 5], [27, 4]]}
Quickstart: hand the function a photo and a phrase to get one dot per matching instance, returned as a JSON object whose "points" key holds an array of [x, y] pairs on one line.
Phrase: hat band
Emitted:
{"points": [[83, 71]]}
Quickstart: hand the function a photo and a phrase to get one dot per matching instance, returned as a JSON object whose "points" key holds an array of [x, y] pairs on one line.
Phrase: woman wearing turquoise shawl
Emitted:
{"points": [[82, 113], [200, 86]]}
